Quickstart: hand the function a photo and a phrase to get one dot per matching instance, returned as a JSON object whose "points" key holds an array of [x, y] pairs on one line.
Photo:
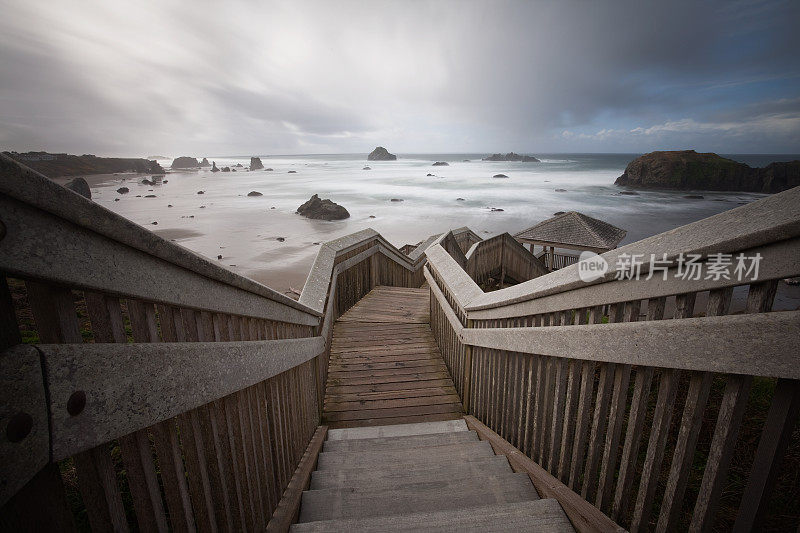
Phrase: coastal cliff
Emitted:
{"points": [[57, 165], [687, 170]]}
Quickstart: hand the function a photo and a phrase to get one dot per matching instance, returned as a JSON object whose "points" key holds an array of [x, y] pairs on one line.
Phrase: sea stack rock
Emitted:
{"points": [[255, 163], [79, 186], [185, 162], [322, 209], [511, 156], [381, 154], [689, 170], [205, 163], [214, 167]]}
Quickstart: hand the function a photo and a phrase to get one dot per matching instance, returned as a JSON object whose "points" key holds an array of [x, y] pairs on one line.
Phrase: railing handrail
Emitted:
{"points": [[769, 226], [765, 221], [656, 343]]}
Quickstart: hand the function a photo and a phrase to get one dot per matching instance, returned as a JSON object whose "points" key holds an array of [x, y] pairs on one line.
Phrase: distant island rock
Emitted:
{"points": [[79, 186], [441, 164], [511, 156], [254, 193], [185, 162], [56, 165], [255, 163], [499, 176], [689, 170], [205, 163], [381, 154], [318, 209]]}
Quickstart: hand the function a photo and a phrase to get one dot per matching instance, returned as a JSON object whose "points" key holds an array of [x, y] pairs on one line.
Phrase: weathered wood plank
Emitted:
{"points": [[584, 516], [289, 506]]}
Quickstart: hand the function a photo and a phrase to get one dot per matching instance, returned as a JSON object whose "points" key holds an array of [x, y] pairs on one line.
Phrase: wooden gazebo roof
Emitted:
{"points": [[574, 231]]}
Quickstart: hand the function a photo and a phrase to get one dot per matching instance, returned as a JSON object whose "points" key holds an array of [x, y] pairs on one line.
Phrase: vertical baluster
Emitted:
{"points": [[636, 419], [616, 418], [135, 448], [199, 486], [662, 418], [571, 407], [696, 398], [599, 419], [584, 415], [560, 365], [775, 437]]}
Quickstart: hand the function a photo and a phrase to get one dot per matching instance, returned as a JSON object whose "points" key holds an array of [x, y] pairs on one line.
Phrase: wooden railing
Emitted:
{"points": [[155, 389], [556, 260], [647, 397], [504, 259]]}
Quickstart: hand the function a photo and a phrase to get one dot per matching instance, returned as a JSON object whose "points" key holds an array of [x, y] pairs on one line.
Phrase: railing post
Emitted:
{"points": [[31, 490], [373, 271]]}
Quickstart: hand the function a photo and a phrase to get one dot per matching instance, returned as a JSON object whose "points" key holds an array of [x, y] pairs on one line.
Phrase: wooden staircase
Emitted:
{"points": [[430, 476], [385, 365]]}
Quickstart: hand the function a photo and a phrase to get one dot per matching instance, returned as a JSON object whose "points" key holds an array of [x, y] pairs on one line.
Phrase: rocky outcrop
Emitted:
{"points": [[214, 167], [511, 156], [80, 186], [255, 163], [499, 176], [226, 169], [123, 190], [318, 209], [55, 165], [185, 162], [689, 170], [205, 163], [254, 193], [441, 164], [381, 154]]}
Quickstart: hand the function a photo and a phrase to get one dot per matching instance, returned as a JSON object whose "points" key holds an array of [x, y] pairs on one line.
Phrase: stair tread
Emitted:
{"points": [[392, 458], [539, 515], [387, 478], [407, 442], [327, 504], [490, 482], [398, 430]]}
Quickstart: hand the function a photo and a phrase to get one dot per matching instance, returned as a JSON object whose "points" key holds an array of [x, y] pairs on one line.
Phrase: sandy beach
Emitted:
{"points": [[265, 239]]}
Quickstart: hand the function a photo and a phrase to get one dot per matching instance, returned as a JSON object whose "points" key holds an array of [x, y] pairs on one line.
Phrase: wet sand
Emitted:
{"points": [[263, 237]]}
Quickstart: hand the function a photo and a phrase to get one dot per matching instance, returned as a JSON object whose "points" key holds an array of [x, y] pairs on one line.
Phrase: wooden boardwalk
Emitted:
{"points": [[385, 365]]}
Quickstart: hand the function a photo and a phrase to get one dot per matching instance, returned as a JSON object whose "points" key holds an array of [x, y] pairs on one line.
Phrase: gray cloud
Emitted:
{"points": [[294, 77]]}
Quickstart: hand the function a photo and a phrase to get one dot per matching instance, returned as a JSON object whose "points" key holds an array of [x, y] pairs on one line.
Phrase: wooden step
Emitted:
{"points": [[545, 516], [355, 478], [407, 442], [329, 504], [398, 430], [394, 459]]}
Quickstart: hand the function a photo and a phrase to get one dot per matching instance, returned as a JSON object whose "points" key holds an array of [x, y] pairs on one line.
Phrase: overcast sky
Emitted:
{"points": [[255, 77]]}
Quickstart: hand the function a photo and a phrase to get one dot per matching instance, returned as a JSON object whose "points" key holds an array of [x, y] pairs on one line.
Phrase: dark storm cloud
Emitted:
{"points": [[282, 77]]}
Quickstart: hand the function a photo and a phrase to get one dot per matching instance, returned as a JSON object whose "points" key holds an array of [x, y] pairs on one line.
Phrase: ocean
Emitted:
{"points": [[246, 231]]}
